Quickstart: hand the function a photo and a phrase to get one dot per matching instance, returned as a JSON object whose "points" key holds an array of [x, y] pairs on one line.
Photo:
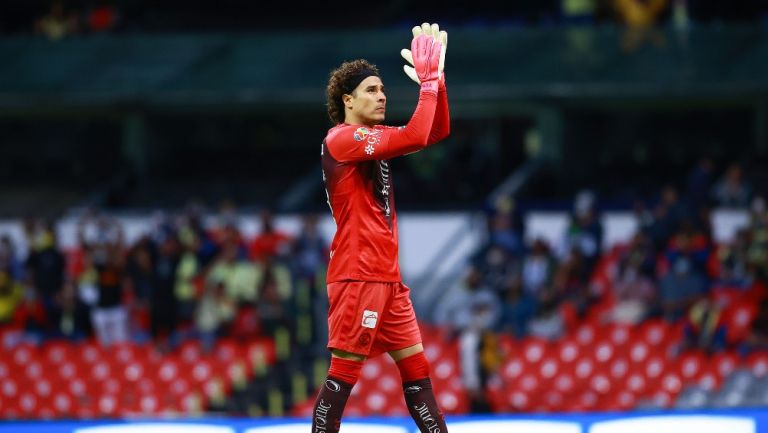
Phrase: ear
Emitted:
{"points": [[347, 100]]}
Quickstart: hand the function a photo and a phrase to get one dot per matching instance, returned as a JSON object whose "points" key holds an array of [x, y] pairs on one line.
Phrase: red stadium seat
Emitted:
{"points": [[190, 351], [9, 388], [90, 352], [56, 352], [709, 378], [107, 405], [600, 383], [568, 350], [672, 383], [201, 371], [620, 335], [586, 334], [738, 320], [376, 402], [63, 404], [564, 383], [548, 368], [133, 371], [618, 369], [602, 351], [23, 354], [654, 332], [167, 370], [636, 383], [33, 370], [451, 402], [758, 363], [5, 369], [534, 349], [67, 371], [639, 351], [583, 370], [511, 370], [690, 364], [725, 363]]}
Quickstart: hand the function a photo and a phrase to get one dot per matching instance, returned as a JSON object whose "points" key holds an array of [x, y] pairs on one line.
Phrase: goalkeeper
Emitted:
{"points": [[370, 308]]}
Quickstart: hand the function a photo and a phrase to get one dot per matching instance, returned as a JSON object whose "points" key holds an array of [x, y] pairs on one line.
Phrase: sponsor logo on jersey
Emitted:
{"points": [[361, 133], [369, 319]]}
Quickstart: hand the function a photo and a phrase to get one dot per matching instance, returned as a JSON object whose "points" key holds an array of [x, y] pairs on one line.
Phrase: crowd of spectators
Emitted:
{"points": [[182, 281], [670, 269], [59, 18]]}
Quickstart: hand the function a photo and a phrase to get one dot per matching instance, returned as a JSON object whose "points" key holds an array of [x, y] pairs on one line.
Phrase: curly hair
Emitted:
{"points": [[344, 80]]}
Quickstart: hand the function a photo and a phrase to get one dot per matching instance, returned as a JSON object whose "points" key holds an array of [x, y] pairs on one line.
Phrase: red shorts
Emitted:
{"points": [[370, 318]]}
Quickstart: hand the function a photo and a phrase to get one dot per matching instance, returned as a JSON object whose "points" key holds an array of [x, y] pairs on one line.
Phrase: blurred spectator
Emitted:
{"points": [[699, 183], [635, 285], [585, 231], [732, 261], [270, 241], [140, 281], [58, 22], [9, 259], [11, 295], [640, 18], [667, 215], [109, 316], [538, 270], [164, 306], [473, 316], [731, 190], [503, 227], [45, 273], [704, 328], [680, 288], [187, 272], [579, 12], [102, 17]]}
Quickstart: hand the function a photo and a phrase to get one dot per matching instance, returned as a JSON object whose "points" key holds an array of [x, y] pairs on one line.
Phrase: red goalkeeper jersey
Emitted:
{"points": [[358, 182]]}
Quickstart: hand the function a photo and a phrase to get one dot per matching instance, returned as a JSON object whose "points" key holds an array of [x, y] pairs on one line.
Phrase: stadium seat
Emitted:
{"points": [[690, 364], [738, 320], [602, 351], [534, 349], [618, 369], [757, 362], [548, 368], [568, 350], [725, 363], [190, 351]]}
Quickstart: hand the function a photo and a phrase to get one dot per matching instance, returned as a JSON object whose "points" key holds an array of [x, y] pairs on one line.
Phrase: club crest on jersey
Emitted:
{"points": [[369, 319], [361, 133]]}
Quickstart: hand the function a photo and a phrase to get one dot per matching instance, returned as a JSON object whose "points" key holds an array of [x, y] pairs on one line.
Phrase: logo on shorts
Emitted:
{"points": [[332, 385], [369, 319], [361, 133], [364, 340]]}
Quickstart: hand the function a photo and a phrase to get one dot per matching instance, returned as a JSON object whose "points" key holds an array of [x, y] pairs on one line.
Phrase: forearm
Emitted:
{"points": [[441, 126], [415, 135]]}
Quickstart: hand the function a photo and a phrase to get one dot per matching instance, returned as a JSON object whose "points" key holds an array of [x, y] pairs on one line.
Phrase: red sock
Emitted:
{"points": [[346, 370], [413, 368]]}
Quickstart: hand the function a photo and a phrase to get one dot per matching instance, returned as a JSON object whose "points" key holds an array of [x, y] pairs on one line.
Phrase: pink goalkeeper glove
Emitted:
{"points": [[426, 60]]}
